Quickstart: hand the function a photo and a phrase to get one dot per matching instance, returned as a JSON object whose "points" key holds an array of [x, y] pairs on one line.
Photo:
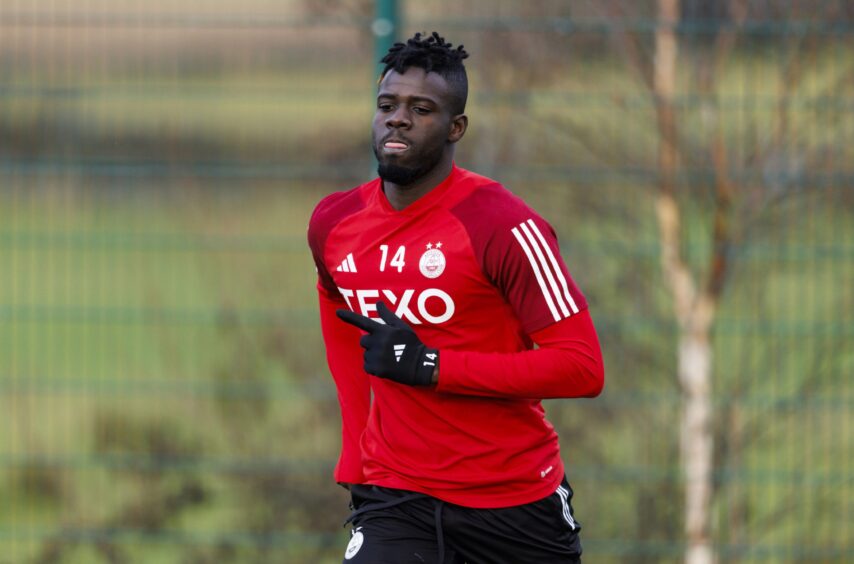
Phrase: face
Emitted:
{"points": [[413, 129]]}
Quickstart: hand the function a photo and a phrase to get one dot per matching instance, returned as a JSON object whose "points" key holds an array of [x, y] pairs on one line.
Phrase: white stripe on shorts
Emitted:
{"points": [[564, 500]]}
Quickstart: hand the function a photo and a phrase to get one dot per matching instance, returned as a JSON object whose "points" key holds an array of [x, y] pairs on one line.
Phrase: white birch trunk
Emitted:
{"points": [[694, 313], [695, 377], [694, 310]]}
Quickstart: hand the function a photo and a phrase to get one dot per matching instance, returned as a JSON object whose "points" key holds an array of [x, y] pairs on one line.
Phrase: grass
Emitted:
{"points": [[146, 322], [89, 356], [284, 116], [159, 337]]}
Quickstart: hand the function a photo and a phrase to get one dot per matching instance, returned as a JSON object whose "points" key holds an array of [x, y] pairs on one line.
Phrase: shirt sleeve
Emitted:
{"points": [[518, 252], [344, 357], [567, 364], [523, 260]]}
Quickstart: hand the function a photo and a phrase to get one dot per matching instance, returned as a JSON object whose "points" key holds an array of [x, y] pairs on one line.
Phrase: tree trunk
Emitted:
{"points": [[694, 310], [694, 314], [695, 378]]}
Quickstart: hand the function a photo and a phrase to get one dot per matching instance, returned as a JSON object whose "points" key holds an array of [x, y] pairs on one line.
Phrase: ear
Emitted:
{"points": [[459, 124]]}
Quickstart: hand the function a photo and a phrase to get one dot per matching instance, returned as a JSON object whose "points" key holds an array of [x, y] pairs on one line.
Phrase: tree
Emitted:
{"points": [[696, 292], [694, 306]]}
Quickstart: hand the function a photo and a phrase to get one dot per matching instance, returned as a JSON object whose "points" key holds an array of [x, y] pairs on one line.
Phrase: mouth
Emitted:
{"points": [[394, 146]]}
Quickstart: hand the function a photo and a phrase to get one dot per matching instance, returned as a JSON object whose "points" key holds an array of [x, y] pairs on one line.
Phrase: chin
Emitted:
{"points": [[397, 174]]}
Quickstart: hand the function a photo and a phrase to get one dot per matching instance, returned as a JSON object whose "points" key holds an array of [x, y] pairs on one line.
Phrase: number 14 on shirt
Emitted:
{"points": [[397, 261]]}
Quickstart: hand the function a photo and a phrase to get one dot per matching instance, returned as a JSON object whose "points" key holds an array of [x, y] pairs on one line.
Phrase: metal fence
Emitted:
{"points": [[162, 380]]}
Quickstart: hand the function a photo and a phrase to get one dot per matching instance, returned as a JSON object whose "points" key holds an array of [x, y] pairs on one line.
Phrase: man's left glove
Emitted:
{"points": [[393, 350]]}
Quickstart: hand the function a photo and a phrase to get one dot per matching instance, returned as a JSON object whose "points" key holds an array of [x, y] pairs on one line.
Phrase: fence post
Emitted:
{"points": [[385, 27]]}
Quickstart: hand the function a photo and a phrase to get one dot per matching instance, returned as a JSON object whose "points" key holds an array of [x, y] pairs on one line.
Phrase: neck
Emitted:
{"points": [[401, 197]]}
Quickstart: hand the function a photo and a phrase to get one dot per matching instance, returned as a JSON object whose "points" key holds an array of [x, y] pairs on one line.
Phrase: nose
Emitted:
{"points": [[399, 118]]}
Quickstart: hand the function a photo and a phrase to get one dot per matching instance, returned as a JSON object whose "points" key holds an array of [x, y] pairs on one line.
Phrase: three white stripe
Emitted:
{"points": [[347, 265], [556, 293], [563, 493], [398, 351]]}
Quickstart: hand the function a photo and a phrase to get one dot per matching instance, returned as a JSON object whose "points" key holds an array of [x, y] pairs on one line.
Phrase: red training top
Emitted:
{"points": [[478, 275]]}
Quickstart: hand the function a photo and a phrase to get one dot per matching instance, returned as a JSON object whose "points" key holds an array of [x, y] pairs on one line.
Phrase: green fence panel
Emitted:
{"points": [[163, 386]]}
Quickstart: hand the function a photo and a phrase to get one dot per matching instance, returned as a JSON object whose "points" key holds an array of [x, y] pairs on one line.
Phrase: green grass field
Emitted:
{"points": [[161, 371]]}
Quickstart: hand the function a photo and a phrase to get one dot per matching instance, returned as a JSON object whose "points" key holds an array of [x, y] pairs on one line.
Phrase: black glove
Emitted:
{"points": [[393, 350]]}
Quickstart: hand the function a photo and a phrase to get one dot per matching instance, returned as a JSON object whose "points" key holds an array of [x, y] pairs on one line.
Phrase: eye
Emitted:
{"points": [[421, 111], [385, 107]]}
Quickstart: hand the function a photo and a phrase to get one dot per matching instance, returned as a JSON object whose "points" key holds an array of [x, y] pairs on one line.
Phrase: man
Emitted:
{"points": [[435, 285]]}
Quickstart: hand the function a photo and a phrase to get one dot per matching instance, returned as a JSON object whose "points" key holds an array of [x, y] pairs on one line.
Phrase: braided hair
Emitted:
{"points": [[432, 54]]}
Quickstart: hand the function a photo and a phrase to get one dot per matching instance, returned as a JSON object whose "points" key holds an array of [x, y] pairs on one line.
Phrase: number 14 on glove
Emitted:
{"points": [[393, 350]]}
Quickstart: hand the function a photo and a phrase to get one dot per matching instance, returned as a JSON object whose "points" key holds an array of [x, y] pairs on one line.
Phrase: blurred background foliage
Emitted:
{"points": [[163, 384]]}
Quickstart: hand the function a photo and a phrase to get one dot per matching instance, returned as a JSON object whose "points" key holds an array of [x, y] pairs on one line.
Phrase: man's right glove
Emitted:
{"points": [[393, 350]]}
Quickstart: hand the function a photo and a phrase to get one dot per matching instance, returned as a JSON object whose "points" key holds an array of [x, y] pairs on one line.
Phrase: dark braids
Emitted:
{"points": [[433, 54]]}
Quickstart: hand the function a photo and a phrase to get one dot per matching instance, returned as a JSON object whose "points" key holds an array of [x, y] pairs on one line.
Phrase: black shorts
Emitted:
{"points": [[400, 527]]}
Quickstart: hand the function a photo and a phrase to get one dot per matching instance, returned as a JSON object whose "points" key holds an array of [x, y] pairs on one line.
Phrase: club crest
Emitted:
{"points": [[432, 263], [356, 541]]}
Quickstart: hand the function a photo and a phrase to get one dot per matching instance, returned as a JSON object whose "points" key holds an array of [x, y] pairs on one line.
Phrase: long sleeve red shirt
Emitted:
{"points": [[479, 276]]}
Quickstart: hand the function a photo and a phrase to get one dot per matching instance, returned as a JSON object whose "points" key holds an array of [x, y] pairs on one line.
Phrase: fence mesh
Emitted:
{"points": [[162, 379]]}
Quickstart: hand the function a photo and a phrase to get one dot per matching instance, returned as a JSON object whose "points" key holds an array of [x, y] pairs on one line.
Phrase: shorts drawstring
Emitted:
{"points": [[438, 504], [382, 505], [437, 512]]}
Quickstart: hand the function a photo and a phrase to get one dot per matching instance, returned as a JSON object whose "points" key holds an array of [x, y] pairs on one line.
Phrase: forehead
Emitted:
{"points": [[414, 82]]}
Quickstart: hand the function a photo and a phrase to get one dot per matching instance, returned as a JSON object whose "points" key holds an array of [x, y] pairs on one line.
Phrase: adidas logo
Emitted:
{"points": [[398, 352], [347, 265]]}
